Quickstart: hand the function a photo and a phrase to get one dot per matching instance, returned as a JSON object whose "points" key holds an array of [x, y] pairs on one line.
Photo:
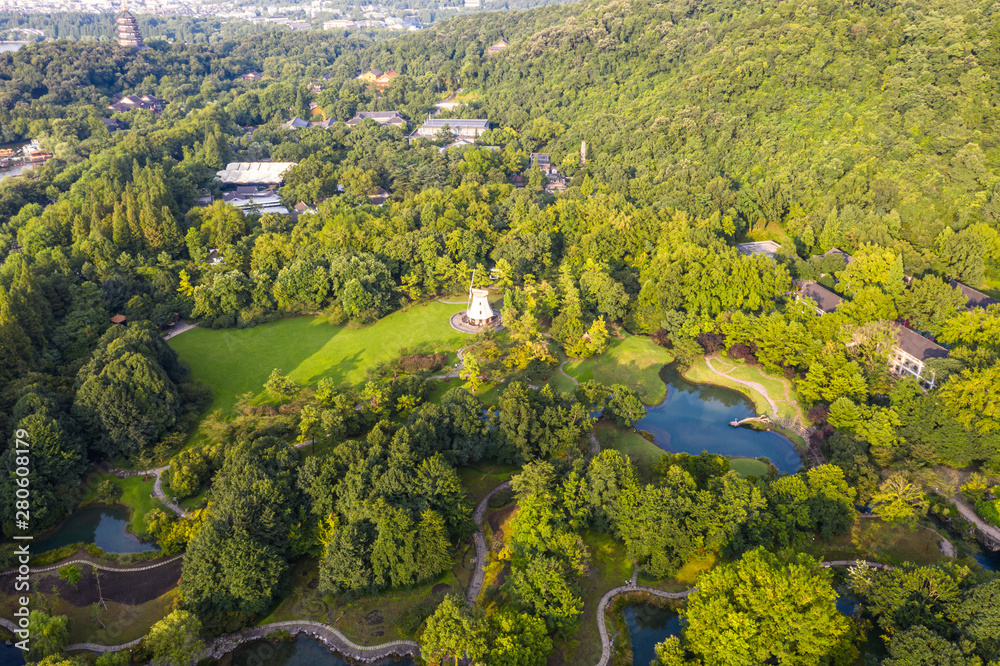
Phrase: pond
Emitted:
{"points": [[104, 526], [11, 46], [647, 626], [695, 418], [11, 656], [302, 651]]}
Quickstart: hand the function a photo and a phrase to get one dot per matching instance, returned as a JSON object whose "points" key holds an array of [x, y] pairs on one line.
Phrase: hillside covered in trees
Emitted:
{"points": [[865, 127]]}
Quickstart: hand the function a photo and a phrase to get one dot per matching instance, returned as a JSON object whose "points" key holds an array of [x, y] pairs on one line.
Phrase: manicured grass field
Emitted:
{"points": [[633, 361], [748, 467], [135, 495], [235, 361]]}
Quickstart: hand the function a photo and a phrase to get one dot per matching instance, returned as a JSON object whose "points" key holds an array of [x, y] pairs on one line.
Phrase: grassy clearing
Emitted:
{"points": [[700, 374], [688, 574], [610, 567], [748, 467], [873, 539], [481, 479], [642, 452], [392, 615], [233, 361], [633, 361], [135, 495]]}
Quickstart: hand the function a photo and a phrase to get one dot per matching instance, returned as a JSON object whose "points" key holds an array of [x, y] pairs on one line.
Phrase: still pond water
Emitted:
{"points": [[104, 526], [647, 626], [695, 418], [300, 652]]}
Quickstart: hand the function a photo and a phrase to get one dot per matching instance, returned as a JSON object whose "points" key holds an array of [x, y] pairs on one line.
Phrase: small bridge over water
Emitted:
{"points": [[763, 420]]}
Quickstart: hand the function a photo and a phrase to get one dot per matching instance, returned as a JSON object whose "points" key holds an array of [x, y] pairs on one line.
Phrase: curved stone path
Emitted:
{"points": [[986, 530], [324, 633], [602, 627], [476, 585], [568, 376], [157, 484], [102, 567]]}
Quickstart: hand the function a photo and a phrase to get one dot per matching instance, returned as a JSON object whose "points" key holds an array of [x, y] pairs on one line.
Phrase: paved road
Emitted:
{"points": [[180, 327], [989, 531], [476, 586]]}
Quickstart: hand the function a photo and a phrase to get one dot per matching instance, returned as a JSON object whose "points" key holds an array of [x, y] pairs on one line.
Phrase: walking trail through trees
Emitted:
{"points": [[334, 639]]}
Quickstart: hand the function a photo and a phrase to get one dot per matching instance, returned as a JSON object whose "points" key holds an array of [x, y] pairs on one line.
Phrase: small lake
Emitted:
{"points": [[104, 526], [647, 626], [11, 46], [695, 418], [10, 656], [302, 651]]}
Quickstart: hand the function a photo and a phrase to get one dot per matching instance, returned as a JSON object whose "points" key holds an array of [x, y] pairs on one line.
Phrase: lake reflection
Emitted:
{"points": [[647, 626], [104, 526], [695, 418]]}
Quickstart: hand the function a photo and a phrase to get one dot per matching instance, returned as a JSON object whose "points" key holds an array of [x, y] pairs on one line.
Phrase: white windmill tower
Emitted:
{"points": [[479, 313]]}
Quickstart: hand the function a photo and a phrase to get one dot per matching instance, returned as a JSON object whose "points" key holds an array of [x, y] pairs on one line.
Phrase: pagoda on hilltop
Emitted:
{"points": [[127, 29]]}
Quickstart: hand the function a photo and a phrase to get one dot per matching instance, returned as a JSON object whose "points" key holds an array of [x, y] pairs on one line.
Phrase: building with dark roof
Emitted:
{"points": [[822, 299], [132, 102], [381, 117], [127, 30], [973, 299], [911, 354], [462, 128], [498, 47], [252, 76]]}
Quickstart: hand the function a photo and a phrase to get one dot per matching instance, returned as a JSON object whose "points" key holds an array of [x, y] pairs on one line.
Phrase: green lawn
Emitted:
{"points": [[642, 452], [369, 620], [235, 361], [633, 361], [873, 539], [482, 478], [610, 567], [135, 495], [748, 467]]}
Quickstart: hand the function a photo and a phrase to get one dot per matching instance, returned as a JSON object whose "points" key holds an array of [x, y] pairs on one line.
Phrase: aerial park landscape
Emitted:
{"points": [[589, 333]]}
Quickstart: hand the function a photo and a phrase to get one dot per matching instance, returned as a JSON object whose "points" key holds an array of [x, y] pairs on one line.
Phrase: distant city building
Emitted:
{"points": [[473, 4], [768, 248], [462, 128], [127, 29], [251, 199], [381, 117], [337, 24], [370, 75], [498, 47]]}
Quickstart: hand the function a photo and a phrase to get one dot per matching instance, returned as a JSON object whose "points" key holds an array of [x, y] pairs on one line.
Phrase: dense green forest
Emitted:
{"points": [[867, 127]]}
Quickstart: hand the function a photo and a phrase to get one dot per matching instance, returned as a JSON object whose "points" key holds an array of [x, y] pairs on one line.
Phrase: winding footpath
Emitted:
{"points": [[101, 567], [760, 388], [324, 633], [986, 530], [157, 484], [602, 627], [476, 585]]}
